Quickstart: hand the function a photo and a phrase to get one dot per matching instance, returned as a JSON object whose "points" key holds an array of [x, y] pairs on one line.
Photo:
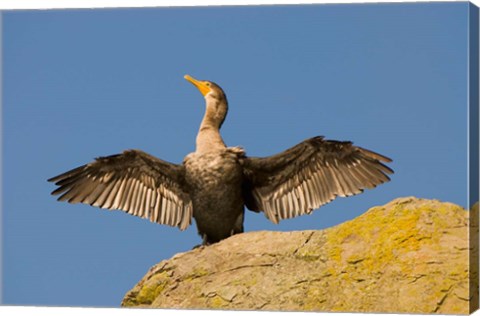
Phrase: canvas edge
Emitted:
{"points": [[473, 154]]}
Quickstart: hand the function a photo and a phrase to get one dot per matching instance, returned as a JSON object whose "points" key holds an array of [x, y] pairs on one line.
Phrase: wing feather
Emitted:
{"points": [[111, 196], [134, 182], [126, 193], [101, 198], [156, 211], [309, 175]]}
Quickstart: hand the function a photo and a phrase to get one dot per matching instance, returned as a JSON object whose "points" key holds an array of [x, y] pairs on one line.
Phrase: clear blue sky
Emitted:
{"points": [[86, 83]]}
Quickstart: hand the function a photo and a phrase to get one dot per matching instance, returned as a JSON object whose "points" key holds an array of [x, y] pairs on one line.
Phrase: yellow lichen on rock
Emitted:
{"points": [[405, 248]]}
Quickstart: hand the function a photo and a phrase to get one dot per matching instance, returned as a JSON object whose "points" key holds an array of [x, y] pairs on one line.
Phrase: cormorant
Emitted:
{"points": [[214, 183]]}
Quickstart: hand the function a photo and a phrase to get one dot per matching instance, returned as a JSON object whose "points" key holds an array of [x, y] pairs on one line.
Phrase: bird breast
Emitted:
{"points": [[214, 170]]}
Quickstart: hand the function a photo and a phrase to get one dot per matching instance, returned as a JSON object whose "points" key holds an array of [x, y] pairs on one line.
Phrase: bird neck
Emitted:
{"points": [[209, 138]]}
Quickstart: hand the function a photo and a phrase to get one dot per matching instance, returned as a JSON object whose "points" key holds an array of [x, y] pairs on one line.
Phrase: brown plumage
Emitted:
{"points": [[214, 183]]}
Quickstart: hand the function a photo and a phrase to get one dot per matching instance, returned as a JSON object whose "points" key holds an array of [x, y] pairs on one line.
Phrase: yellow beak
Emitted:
{"points": [[201, 85]]}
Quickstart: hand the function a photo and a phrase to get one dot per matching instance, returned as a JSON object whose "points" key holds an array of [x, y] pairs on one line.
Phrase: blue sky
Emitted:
{"points": [[78, 84]]}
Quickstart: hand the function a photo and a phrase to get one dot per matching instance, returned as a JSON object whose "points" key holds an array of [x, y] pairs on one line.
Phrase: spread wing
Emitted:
{"points": [[309, 175], [134, 182]]}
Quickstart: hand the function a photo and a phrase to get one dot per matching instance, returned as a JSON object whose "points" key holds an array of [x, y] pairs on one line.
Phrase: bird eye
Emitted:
{"points": [[208, 84]]}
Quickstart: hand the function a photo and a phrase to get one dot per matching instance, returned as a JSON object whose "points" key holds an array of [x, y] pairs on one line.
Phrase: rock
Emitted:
{"points": [[408, 256]]}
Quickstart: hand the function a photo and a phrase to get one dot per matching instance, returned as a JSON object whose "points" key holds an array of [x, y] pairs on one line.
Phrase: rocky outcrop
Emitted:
{"points": [[408, 256]]}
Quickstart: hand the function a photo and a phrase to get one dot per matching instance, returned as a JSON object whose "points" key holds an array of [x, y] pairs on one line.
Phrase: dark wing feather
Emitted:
{"points": [[134, 182], [309, 175]]}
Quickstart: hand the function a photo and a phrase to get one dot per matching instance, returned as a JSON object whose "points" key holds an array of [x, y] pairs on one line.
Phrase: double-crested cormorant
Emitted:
{"points": [[215, 182]]}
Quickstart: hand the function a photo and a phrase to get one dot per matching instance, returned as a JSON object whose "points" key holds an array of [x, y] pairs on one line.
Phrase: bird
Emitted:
{"points": [[215, 183]]}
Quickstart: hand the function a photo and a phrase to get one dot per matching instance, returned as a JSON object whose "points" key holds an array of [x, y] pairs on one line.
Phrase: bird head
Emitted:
{"points": [[215, 100], [207, 88]]}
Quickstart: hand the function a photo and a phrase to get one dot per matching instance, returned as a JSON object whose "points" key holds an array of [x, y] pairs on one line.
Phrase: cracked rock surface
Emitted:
{"points": [[408, 256]]}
